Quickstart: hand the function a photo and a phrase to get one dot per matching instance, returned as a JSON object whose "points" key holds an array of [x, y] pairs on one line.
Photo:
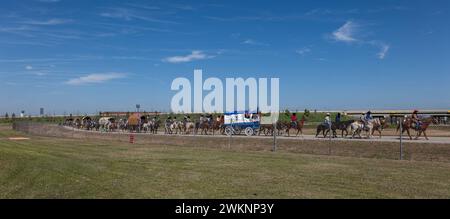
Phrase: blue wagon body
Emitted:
{"points": [[237, 122]]}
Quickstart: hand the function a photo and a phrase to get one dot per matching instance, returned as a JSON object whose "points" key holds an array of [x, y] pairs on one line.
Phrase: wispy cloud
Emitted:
{"points": [[325, 11], [383, 51], [54, 21], [23, 30], [28, 67], [131, 14], [303, 51], [254, 43], [195, 55], [346, 32], [95, 78]]}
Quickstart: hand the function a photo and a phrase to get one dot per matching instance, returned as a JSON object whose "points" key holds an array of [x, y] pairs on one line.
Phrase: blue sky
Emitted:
{"points": [[88, 56]]}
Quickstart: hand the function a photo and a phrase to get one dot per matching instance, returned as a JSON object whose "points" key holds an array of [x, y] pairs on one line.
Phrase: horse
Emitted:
{"points": [[281, 127], [167, 125], [217, 125], [408, 124], [342, 125], [122, 125], [379, 125], [68, 122], [86, 123], [105, 123], [177, 127], [267, 129], [324, 128], [358, 126], [154, 125], [298, 126], [188, 127], [146, 126], [204, 126]]}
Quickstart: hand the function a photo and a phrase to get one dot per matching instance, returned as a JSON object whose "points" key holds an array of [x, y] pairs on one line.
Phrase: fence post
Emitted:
{"points": [[401, 141], [274, 147]]}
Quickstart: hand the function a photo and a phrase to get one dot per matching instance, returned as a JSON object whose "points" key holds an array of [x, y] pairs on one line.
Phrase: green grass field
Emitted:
{"points": [[44, 167]]}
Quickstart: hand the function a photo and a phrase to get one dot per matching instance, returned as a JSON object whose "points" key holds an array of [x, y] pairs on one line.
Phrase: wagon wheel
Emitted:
{"points": [[249, 131], [237, 130], [229, 130]]}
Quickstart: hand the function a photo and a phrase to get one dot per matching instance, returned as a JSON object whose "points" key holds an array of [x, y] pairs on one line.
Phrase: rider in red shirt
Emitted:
{"points": [[294, 119]]}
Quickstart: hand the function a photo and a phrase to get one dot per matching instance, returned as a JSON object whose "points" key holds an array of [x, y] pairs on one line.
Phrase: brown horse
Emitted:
{"points": [[217, 126], [299, 126], [408, 124], [267, 129], [204, 126]]}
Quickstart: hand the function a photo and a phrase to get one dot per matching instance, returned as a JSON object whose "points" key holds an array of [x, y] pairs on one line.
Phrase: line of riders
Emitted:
{"points": [[367, 123], [207, 124]]}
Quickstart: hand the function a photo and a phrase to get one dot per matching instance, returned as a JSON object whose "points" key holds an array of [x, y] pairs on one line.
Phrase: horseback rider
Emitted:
{"points": [[210, 119], [338, 118], [416, 120], [169, 120], [367, 118], [327, 121], [294, 120]]}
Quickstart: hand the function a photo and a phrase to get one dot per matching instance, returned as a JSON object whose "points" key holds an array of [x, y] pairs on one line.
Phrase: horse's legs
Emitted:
{"points": [[425, 134], [419, 133], [318, 131], [409, 134], [325, 133]]}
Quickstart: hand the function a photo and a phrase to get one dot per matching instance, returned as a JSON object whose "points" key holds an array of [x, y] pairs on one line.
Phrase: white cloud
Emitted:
{"points": [[54, 21], [95, 78], [253, 42], [303, 51], [195, 55], [28, 67], [346, 32], [130, 14], [383, 51]]}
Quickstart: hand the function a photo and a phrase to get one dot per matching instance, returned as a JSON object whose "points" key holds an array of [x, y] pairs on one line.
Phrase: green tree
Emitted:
{"points": [[306, 112], [6, 116]]}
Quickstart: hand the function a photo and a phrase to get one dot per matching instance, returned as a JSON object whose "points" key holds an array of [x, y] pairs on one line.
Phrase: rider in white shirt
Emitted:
{"points": [[328, 120]]}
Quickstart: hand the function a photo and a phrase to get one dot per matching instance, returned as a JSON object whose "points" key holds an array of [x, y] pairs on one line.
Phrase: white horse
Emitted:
{"points": [[358, 126], [147, 127], [176, 126], [189, 127], [105, 123]]}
